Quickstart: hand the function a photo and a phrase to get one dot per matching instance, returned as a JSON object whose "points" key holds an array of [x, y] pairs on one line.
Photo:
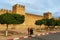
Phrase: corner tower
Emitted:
{"points": [[47, 15], [19, 9]]}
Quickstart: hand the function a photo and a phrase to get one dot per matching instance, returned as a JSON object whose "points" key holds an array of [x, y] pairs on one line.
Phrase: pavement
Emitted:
{"points": [[55, 36]]}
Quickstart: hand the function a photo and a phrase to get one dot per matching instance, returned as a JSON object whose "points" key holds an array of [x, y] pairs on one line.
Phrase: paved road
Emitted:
{"points": [[46, 37]]}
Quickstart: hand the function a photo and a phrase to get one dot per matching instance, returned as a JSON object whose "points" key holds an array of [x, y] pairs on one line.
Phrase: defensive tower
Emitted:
{"points": [[47, 15], [19, 9]]}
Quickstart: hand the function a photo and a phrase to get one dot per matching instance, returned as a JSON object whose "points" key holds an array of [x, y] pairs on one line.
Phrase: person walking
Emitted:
{"points": [[31, 31]]}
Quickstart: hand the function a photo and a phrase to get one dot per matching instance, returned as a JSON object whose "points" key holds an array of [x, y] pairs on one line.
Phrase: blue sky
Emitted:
{"points": [[34, 6]]}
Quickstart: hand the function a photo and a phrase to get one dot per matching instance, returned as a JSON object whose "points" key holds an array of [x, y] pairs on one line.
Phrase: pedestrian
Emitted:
{"points": [[31, 31]]}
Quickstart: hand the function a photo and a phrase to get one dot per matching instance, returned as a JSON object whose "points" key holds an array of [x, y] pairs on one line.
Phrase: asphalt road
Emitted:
{"points": [[55, 36]]}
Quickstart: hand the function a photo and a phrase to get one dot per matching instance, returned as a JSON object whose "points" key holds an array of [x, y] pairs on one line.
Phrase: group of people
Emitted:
{"points": [[30, 31]]}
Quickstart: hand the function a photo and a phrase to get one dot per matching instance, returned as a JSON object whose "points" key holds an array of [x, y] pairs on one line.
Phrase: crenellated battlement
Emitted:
{"points": [[2, 11]]}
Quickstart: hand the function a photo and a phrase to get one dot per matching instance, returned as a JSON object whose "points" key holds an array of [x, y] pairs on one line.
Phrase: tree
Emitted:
{"points": [[39, 22], [9, 18], [57, 23], [50, 23]]}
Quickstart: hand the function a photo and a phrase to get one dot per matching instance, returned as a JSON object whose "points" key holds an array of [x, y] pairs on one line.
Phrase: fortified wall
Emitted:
{"points": [[29, 18]]}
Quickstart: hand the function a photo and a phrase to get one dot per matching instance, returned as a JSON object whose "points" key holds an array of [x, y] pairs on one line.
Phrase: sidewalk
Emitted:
{"points": [[25, 35], [35, 34]]}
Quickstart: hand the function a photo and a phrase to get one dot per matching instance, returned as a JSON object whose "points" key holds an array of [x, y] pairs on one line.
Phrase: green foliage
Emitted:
{"points": [[8, 18], [39, 22], [50, 22], [57, 22]]}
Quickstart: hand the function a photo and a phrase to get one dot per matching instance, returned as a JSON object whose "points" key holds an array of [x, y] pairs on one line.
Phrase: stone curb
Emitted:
{"points": [[21, 37]]}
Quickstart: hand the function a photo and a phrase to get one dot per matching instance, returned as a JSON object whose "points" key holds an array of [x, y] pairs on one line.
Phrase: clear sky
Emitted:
{"points": [[34, 6]]}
